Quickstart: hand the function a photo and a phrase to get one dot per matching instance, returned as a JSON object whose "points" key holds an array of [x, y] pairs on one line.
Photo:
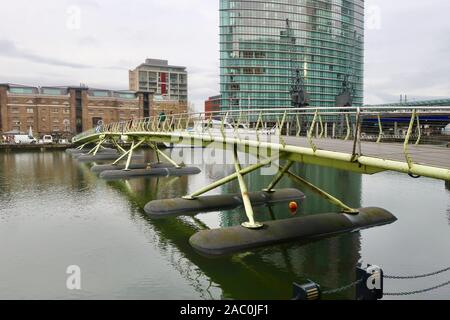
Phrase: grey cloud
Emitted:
{"points": [[409, 54], [9, 49]]}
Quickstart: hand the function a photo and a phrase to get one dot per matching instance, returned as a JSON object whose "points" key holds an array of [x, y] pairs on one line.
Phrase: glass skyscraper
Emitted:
{"points": [[263, 43]]}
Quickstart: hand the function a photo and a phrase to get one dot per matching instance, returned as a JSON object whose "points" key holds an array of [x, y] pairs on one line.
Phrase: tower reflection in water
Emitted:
{"points": [[266, 273]]}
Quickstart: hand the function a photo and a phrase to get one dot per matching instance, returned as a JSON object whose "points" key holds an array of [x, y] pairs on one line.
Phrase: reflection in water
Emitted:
{"points": [[58, 213], [281, 265]]}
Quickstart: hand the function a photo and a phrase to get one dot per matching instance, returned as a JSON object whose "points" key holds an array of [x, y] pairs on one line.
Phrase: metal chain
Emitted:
{"points": [[410, 293], [344, 288], [418, 276]]}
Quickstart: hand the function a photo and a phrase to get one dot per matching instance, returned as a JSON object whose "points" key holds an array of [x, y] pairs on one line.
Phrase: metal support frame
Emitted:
{"points": [[333, 200], [251, 224], [357, 138], [278, 177], [349, 129], [408, 158], [419, 131], [321, 127], [160, 153], [97, 147], [299, 125], [230, 178], [82, 146], [380, 126], [311, 131], [129, 153], [122, 150]]}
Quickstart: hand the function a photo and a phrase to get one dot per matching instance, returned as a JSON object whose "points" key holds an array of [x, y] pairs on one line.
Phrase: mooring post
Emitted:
{"points": [[307, 292], [371, 283]]}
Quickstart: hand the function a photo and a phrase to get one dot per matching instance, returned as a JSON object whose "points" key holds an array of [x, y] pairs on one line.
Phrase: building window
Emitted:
{"points": [[66, 111], [52, 92], [102, 94], [30, 110], [15, 110], [55, 129], [55, 110], [21, 90]]}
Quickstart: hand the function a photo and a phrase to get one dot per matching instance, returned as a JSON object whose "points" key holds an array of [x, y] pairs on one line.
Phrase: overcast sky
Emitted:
{"points": [[95, 42]]}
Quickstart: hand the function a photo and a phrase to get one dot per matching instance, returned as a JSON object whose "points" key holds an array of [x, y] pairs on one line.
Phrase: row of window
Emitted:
{"points": [[288, 55], [358, 5], [274, 40], [299, 36], [317, 85], [31, 120], [231, 17], [301, 29], [231, 75], [262, 65], [278, 47], [288, 58], [31, 110], [318, 8], [275, 96]]}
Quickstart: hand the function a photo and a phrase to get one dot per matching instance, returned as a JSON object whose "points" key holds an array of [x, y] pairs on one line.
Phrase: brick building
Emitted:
{"points": [[66, 111], [212, 104]]}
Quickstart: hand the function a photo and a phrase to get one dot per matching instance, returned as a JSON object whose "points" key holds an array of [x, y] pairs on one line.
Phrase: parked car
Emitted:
{"points": [[47, 139], [63, 141], [446, 130], [24, 139]]}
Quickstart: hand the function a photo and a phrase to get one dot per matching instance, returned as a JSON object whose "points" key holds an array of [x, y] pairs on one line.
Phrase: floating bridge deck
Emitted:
{"points": [[330, 138]]}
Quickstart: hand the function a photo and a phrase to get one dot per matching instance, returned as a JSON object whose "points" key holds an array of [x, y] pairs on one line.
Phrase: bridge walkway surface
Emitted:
{"points": [[427, 155]]}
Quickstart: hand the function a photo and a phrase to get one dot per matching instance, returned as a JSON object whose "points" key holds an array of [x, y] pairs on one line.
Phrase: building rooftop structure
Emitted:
{"points": [[418, 103], [159, 78], [20, 89]]}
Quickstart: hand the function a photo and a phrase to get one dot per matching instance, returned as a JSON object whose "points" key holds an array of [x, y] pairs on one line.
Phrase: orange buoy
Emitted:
{"points": [[293, 206]]}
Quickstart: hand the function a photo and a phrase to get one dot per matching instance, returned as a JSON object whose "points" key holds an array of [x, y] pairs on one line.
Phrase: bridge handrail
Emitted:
{"points": [[264, 119]]}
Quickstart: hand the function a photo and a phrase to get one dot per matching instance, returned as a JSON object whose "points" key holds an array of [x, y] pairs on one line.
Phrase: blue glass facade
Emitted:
{"points": [[263, 42]]}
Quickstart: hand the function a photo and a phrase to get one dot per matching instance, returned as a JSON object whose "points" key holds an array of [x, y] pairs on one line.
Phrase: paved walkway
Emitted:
{"points": [[433, 156]]}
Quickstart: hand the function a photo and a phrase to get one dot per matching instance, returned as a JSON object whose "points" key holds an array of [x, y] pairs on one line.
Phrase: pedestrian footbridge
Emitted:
{"points": [[366, 140]]}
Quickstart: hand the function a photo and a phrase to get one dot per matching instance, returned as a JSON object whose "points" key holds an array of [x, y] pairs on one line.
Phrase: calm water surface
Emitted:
{"points": [[55, 213]]}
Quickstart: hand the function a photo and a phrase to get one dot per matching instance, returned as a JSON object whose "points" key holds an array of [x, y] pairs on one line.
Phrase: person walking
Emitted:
{"points": [[162, 119]]}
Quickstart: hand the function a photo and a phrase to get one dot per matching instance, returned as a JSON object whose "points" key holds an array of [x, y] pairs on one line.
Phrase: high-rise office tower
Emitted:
{"points": [[265, 45]]}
